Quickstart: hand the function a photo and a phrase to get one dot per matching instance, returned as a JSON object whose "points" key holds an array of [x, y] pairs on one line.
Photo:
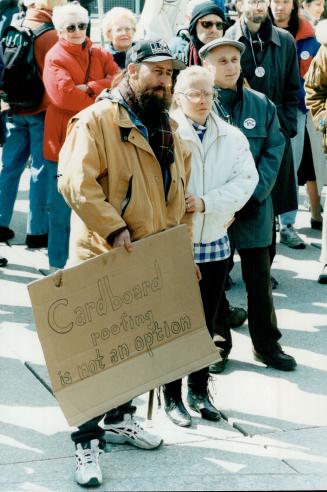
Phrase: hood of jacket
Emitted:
{"points": [[305, 31], [38, 15], [321, 32]]}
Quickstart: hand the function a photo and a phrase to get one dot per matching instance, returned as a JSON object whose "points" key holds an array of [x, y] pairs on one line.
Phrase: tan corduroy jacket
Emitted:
{"points": [[316, 81], [111, 178]]}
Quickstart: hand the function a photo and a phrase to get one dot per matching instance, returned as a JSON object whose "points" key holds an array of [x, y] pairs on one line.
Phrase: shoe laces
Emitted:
{"points": [[89, 455], [134, 425]]}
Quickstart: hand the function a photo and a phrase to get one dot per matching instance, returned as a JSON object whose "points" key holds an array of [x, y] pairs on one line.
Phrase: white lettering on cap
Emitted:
{"points": [[158, 48]]}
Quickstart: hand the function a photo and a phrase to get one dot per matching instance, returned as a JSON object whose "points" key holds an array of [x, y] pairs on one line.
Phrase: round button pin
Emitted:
{"points": [[260, 72], [249, 123], [305, 55]]}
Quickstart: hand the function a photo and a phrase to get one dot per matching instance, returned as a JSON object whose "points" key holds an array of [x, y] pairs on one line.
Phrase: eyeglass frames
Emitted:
{"points": [[81, 26], [195, 96]]}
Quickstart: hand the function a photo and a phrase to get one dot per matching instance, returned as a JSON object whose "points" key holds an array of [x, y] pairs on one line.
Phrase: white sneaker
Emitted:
{"points": [[129, 431], [289, 237], [88, 471]]}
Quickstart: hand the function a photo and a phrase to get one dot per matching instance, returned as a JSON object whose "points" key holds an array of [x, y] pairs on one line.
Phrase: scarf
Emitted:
{"points": [[160, 138]]}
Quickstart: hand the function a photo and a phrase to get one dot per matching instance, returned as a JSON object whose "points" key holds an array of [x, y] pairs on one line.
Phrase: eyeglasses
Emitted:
{"points": [[258, 2], [209, 24], [82, 26], [195, 96], [119, 30]]}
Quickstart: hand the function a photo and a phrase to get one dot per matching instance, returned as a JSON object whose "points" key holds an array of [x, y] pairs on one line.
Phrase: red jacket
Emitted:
{"points": [[65, 67], [35, 18]]}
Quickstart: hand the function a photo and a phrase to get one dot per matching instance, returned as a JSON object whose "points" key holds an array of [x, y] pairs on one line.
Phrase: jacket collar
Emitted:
{"points": [[305, 30], [239, 32], [187, 132], [75, 49], [38, 15]]}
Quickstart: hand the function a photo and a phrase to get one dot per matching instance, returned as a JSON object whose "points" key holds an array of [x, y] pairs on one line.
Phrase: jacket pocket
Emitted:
{"points": [[127, 198], [256, 132]]}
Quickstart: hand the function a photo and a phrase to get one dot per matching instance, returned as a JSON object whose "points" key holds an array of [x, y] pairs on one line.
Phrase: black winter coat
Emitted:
{"points": [[281, 82]]}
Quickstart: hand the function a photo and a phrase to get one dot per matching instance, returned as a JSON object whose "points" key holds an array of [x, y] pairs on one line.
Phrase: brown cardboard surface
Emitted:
{"points": [[121, 324]]}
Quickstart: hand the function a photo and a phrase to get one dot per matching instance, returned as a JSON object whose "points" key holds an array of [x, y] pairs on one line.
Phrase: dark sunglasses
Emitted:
{"points": [[208, 24], [82, 26]]}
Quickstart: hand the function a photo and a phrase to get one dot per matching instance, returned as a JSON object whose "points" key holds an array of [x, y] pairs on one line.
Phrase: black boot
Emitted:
{"points": [[200, 402], [174, 406]]}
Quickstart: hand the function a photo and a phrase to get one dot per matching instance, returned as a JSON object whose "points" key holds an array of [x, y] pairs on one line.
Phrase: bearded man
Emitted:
{"points": [[124, 172]]}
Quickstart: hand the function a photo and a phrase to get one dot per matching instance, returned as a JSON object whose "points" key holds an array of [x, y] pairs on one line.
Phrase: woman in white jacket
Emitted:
{"points": [[222, 180]]}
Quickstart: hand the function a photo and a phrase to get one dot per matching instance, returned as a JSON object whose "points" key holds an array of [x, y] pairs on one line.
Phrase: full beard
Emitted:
{"points": [[151, 106], [256, 19]]}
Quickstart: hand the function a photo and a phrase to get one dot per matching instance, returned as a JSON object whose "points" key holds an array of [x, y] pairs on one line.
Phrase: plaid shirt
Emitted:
{"points": [[160, 138], [216, 251]]}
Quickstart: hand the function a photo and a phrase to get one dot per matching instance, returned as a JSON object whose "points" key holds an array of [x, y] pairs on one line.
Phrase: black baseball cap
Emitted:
{"points": [[146, 50]]}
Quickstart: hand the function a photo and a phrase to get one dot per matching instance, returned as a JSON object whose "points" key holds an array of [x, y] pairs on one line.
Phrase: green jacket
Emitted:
{"points": [[256, 116]]}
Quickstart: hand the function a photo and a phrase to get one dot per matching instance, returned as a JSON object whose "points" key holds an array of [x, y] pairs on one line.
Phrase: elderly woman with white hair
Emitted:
{"points": [[75, 73], [118, 27], [223, 177]]}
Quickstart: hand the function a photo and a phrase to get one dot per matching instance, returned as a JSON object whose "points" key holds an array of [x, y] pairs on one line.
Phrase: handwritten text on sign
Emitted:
{"points": [[131, 333]]}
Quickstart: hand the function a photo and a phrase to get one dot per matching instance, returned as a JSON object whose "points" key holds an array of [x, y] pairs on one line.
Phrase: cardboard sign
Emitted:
{"points": [[121, 324]]}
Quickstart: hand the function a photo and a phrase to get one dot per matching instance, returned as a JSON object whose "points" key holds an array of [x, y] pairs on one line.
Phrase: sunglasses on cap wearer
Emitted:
{"points": [[81, 26], [208, 25]]}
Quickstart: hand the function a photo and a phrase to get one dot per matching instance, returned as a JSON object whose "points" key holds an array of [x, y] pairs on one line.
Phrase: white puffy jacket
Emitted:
{"points": [[223, 174]]}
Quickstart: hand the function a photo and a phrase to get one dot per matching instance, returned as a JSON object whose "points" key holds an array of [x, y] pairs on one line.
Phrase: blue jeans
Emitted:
{"points": [[24, 137], [59, 221], [297, 143]]}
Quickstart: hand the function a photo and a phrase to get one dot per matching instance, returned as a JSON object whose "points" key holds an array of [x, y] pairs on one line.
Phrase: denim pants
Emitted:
{"points": [[24, 138], [59, 220], [297, 143]]}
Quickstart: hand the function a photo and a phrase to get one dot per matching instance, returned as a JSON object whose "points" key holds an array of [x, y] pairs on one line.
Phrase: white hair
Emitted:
{"points": [[195, 72], [69, 14], [117, 14]]}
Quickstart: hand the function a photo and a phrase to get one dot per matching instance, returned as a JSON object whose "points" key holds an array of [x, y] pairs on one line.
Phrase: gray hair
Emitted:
{"points": [[69, 14], [195, 72]]}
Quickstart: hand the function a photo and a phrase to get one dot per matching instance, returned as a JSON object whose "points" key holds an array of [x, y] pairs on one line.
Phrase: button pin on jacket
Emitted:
{"points": [[249, 123]]}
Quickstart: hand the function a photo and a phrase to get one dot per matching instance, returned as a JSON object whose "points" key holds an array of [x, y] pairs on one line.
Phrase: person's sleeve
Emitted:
{"points": [[61, 88], [110, 69], [271, 155], [287, 112], [231, 196], [316, 89], [188, 218], [82, 163]]}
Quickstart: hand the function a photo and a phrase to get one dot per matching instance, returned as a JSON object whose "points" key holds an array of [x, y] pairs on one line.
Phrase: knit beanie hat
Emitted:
{"points": [[201, 10]]}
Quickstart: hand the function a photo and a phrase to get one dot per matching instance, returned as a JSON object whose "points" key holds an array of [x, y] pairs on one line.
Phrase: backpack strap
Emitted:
{"points": [[46, 26]]}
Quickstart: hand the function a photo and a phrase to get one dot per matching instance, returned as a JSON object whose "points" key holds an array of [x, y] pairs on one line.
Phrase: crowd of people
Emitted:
{"points": [[200, 112]]}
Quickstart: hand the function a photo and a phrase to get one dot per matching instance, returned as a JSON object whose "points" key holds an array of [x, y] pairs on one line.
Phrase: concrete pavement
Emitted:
{"points": [[274, 431]]}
